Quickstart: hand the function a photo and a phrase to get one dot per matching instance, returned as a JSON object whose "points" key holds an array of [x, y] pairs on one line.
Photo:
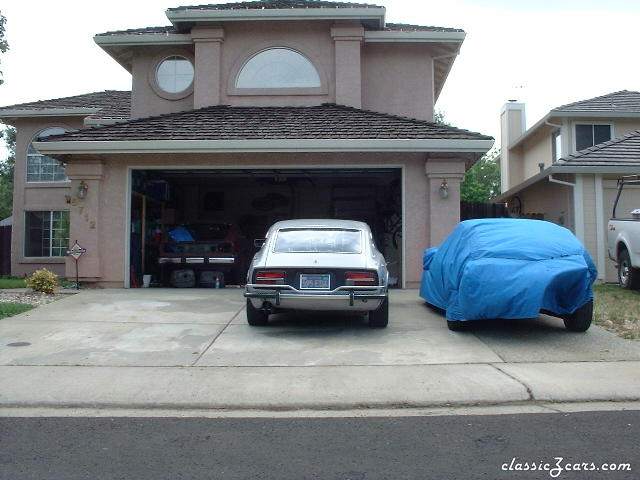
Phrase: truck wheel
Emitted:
{"points": [[580, 320], [255, 316], [380, 318], [628, 277]]}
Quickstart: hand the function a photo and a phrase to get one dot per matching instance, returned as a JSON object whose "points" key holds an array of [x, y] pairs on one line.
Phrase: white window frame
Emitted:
{"points": [[30, 155], [575, 136], [51, 231]]}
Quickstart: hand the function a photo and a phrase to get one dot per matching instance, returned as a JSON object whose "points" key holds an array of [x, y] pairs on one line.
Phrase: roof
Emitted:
{"points": [[274, 4], [109, 105], [170, 29], [6, 222], [223, 122], [319, 223], [620, 152], [622, 101]]}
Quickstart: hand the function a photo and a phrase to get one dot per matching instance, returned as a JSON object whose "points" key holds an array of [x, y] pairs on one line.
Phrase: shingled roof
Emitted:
{"points": [[620, 152], [222, 122], [112, 104], [623, 101], [275, 4]]}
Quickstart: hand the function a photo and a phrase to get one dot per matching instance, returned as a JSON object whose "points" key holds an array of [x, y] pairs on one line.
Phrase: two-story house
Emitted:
{"points": [[564, 168], [245, 113]]}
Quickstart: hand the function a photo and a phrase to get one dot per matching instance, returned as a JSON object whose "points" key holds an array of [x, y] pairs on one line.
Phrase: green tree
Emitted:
{"points": [[482, 181], [6, 173], [4, 46]]}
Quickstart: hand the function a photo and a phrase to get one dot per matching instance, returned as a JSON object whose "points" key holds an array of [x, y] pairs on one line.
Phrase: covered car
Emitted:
{"points": [[322, 265], [510, 268]]}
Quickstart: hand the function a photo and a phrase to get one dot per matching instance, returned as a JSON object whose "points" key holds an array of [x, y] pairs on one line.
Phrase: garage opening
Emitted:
{"points": [[196, 228]]}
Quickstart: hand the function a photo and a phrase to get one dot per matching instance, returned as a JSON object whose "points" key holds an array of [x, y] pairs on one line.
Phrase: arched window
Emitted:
{"points": [[41, 168], [278, 68]]}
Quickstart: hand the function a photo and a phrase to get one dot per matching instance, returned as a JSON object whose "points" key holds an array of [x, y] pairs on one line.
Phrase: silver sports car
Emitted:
{"points": [[324, 265]]}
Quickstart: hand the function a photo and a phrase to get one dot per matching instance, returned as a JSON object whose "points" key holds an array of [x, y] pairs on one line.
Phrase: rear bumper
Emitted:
{"points": [[341, 299], [196, 260]]}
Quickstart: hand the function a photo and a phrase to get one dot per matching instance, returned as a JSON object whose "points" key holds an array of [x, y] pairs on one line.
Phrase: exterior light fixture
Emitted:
{"points": [[444, 189], [82, 190]]}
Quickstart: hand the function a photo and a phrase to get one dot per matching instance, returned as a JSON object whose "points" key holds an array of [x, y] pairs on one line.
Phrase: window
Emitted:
{"points": [[588, 135], [41, 168], [46, 234], [318, 241], [174, 74], [278, 68], [556, 146]]}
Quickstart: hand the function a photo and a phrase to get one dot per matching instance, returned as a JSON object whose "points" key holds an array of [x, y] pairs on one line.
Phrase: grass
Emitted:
{"points": [[9, 309], [12, 282], [617, 310]]}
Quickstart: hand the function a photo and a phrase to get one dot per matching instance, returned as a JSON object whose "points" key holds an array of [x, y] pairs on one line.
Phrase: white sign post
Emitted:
{"points": [[76, 252]]}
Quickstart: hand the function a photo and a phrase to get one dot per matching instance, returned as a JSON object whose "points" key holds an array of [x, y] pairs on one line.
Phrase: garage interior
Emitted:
{"points": [[243, 204]]}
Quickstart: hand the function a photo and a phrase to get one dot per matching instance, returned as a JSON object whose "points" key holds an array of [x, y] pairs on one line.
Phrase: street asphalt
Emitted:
{"points": [[192, 348]]}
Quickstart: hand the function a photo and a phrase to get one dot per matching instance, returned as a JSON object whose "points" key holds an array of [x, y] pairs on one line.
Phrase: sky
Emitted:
{"points": [[544, 53]]}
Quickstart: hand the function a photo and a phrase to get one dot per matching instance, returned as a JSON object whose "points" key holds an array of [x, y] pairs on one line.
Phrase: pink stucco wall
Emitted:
{"points": [[35, 196]]}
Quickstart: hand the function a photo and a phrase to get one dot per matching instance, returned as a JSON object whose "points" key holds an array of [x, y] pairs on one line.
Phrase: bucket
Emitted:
{"points": [[146, 281]]}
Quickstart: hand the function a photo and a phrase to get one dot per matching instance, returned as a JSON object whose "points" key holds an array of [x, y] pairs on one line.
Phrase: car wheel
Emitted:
{"points": [[456, 326], [580, 320], [380, 318], [628, 277], [255, 316]]}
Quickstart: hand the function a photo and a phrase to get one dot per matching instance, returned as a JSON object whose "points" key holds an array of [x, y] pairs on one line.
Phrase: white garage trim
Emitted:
{"points": [[578, 207], [128, 183], [600, 226]]}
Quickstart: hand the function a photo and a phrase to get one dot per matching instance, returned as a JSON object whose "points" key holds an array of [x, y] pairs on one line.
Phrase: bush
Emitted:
{"points": [[42, 281]]}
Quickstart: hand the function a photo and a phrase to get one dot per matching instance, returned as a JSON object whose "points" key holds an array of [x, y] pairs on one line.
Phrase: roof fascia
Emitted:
{"points": [[125, 40], [271, 145], [596, 169], [595, 114], [521, 186], [181, 16], [413, 37], [47, 112]]}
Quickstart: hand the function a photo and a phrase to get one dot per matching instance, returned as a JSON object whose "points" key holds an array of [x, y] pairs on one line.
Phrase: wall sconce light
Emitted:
{"points": [[444, 189], [82, 190], [67, 198]]}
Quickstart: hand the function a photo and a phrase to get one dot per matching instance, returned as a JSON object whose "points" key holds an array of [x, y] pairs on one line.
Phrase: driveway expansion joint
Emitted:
{"points": [[524, 384]]}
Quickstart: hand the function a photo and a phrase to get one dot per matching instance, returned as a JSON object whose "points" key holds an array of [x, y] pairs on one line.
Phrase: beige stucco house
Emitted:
{"points": [[564, 168], [246, 113]]}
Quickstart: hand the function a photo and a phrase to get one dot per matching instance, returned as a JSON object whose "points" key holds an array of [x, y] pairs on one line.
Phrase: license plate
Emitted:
{"points": [[314, 281]]}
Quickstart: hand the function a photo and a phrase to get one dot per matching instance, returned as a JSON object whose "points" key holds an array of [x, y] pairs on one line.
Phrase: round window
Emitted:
{"points": [[174, 74]]}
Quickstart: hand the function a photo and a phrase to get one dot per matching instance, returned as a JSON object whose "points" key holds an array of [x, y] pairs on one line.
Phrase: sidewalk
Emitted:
{"points": [[192, 349]]}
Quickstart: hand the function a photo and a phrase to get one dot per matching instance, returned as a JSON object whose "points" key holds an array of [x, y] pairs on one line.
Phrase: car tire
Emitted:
{"points": [[580, 320], [380, 318], [628, 277], [255, 316], [456, 326]]}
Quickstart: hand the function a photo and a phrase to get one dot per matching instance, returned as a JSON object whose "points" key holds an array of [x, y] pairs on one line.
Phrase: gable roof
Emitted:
{"points": [[620, 152], [223, 122], [622, 101], [274, 4], [106, 105]]}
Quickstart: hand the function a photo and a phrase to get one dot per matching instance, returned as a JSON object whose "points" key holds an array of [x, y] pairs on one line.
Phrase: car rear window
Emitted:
{"points": [[320, 240]]}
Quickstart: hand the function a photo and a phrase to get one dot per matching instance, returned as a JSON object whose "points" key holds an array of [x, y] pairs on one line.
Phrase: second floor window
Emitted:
{"points": [[41, 168], [278, 68], [588, 135]]}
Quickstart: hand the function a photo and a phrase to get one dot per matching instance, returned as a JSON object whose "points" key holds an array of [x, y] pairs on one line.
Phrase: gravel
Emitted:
{"points": [[30, 298]]}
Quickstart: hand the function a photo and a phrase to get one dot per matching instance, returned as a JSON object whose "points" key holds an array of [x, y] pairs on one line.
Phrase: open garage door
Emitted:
{"points": [[196, 227]]}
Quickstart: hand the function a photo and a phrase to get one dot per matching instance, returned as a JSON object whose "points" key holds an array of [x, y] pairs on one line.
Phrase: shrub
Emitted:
{"points": [[42, 281]]}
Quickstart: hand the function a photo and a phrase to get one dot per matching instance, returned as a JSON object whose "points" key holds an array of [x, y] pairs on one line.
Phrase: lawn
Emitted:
{"points": [[617, 310], [9, 309], [12, 282]]}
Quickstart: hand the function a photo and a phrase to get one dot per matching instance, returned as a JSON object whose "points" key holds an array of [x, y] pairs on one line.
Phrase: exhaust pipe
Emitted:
{"points": [[267, 308]]}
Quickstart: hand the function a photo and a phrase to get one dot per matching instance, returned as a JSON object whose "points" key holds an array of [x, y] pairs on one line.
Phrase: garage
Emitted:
{"points": [[196, 227]]}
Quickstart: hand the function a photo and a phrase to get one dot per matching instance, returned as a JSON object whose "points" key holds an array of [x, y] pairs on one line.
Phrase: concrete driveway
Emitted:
{"points": [[181, 342]]}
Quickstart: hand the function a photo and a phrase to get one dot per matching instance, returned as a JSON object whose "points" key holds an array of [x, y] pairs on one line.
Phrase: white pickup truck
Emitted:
{"points": [[624, 239]]}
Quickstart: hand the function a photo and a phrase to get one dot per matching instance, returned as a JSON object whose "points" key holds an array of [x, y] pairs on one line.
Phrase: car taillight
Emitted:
{"points": [[360, 279], [270, 277]]}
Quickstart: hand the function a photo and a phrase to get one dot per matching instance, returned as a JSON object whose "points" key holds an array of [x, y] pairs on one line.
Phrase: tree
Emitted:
{"points": [[4, 46], [482, 181]]}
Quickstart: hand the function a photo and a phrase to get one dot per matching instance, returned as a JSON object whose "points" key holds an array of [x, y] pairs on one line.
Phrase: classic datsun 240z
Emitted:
{"points": [[322, 265]]}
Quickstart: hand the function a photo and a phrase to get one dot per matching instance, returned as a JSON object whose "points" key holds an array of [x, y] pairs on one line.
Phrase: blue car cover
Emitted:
{"points": [[507, 268]]}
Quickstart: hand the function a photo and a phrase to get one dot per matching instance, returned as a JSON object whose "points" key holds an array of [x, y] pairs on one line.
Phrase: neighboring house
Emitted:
{"points": [[247, 113], [564, 169]]}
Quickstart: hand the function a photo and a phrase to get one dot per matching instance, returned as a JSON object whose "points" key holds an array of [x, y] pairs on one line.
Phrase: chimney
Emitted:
{"points": [[512, 126]]}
